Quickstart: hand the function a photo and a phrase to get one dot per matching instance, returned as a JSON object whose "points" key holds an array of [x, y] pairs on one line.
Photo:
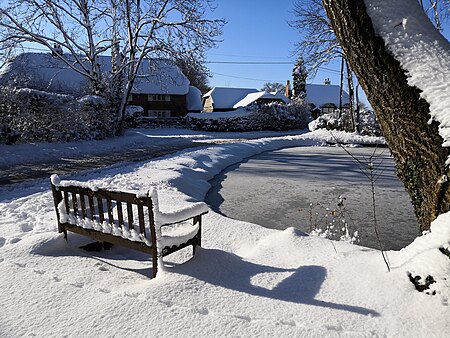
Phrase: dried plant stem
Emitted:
{"points": [[367, 168]]}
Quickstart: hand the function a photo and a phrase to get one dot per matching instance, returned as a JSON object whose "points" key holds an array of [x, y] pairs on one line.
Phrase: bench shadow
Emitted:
{"points": [[217, 267], [230, 271]]}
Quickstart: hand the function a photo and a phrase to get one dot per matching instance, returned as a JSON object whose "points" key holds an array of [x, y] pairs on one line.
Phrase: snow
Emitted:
{"points": [[252, 97], [245, 281], [226, 98], [422, 52], [44, 70], [133, 139], [319, 94], [239, 112], [194, 99]]}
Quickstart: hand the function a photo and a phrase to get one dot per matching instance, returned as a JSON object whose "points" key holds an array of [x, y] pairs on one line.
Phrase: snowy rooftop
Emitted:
{"points": [[252, 97], [319, 94], [226, 98], [194, 99], [44, 70]]}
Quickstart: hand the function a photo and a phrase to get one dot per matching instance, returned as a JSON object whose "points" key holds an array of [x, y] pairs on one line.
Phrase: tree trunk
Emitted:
{"points": [[350, 96], [403, 115]]}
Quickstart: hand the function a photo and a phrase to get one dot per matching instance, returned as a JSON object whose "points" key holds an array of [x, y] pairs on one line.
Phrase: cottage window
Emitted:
{"points": [[157, 114], [158, 97], [328, 108], [130, 98]]}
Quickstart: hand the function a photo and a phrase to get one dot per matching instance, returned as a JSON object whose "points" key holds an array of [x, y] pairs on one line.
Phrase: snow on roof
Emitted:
{"points": [[421, 50], [226, 98], [44, 70], [320, 94], [160, 77], [252, 97], [194, 99]]}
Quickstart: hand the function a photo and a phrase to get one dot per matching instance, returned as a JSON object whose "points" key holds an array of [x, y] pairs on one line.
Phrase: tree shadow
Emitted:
{"points": [[230, 271], [217, 267]]}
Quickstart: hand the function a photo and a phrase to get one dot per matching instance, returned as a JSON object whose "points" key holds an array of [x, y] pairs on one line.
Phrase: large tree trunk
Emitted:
{"points": [[403, 115]]}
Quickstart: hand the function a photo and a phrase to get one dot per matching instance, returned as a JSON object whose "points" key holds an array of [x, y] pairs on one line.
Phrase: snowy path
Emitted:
{"points": [[26, 171], [23, 162]]}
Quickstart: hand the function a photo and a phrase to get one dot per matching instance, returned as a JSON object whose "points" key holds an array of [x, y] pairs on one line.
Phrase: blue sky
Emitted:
{"points": [[258, 31]]}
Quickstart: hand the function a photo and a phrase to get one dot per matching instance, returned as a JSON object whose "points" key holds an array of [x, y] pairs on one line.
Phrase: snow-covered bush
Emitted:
{"points": [[29, 115], [133, 118], [274, 116], [368, 124]]}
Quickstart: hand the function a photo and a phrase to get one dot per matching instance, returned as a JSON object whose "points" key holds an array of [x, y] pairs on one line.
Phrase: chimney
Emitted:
{"points": [[327, 81], [287, 90]]}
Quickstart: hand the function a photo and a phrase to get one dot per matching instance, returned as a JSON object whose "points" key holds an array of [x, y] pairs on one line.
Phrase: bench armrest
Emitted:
{"points": [[177, 216]]}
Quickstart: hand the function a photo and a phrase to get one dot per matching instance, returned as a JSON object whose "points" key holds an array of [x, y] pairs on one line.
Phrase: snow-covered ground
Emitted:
{"points": [[246, 280], [133, 139]]}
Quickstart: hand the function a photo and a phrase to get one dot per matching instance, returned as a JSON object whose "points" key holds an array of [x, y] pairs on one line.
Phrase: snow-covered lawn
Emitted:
{"points": [[245, 281]]}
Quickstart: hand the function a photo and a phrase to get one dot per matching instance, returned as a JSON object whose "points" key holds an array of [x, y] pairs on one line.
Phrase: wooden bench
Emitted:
{"points": [[125, 219]]}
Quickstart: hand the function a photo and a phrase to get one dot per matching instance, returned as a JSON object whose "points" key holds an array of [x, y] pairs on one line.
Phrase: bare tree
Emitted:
{"points": [[319, 45], [73, 25], [273, 87], [130, 31], [193, 66], [437, 10]]}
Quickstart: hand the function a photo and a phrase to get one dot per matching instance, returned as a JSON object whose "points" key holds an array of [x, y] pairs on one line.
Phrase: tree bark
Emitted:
{"points": [[402, 113]]}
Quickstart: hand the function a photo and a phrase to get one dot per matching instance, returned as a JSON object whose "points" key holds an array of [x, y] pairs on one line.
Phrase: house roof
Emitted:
{"points": [[44, 70], [226, 98], [194, 99], [320, 94], [252, 97]]}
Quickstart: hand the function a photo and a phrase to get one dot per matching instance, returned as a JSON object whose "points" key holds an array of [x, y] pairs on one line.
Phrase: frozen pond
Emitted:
{"points": [[276, 190]]}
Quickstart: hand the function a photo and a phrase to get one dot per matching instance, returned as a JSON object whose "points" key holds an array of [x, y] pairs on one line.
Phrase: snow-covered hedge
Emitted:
{"points": [[30, 115], [257, 117], [335, 121]]}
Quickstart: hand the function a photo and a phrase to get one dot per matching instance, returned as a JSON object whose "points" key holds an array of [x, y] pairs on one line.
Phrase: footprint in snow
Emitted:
{"points": [[202, 311], [104, 290], [2, 241], [14, 240], [78, 284], [26, 228]]}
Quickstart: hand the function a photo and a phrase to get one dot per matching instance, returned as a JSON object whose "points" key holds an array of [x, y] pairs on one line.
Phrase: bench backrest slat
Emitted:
{"points": [[141, 218], [120, 214], [83, 205], [130, 215], [110, 211], [101, 214], [74, 203], [66, 201], [92, 212]]}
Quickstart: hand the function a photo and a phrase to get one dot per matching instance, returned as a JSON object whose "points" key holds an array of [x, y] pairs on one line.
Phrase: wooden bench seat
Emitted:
{"points": [[125, 219]]}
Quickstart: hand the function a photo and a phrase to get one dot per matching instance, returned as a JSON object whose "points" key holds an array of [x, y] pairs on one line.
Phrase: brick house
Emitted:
{"points": [[160, 88]]}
